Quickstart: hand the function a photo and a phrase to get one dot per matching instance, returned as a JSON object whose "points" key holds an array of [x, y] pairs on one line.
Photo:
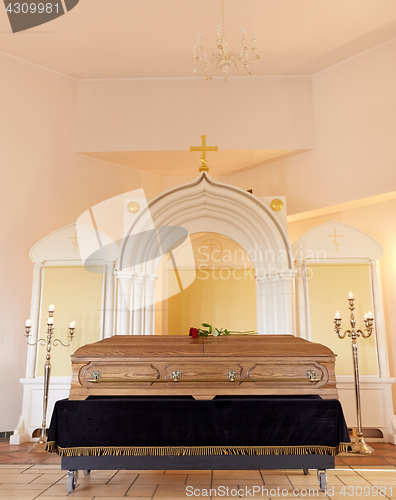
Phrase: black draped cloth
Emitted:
{"points": [[142, 426]]}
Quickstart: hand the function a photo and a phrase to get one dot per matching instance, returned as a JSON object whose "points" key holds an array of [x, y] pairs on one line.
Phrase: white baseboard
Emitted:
{"points": [[32, 405], [376, 402]]}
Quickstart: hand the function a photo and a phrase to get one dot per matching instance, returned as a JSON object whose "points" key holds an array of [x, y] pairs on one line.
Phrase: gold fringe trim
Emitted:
{"points": [[51, 447], [155, 451]]}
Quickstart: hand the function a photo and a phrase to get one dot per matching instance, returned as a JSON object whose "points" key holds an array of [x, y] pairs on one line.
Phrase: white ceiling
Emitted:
{"points": [[154, 38]]}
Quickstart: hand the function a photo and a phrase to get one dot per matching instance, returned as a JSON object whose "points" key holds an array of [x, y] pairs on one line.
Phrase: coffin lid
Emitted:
{"points": [[148, 346]]}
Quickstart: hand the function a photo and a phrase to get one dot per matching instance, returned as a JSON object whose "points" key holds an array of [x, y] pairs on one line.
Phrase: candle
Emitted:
{"points": [[365, 316], [28, 322], [51, 308], [337, 315], [370, 315], [254, 40], [50, 321], [198, 39], [350, 295], [72, 324]]}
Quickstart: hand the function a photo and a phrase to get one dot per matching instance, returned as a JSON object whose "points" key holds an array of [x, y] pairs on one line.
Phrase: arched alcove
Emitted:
{"points": [[222, 294], [342, 255], [207, 206]]}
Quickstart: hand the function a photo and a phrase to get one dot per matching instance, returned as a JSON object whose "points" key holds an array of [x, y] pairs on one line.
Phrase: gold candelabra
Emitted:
{"points": [[49, 342], [360, 445]]}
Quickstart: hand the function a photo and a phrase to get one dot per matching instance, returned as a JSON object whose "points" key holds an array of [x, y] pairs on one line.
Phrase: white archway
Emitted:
{"points": [[206, 205]]}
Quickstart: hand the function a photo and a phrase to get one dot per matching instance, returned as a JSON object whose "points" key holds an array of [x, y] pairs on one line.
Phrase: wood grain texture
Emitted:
{"points": [[143, 365]]}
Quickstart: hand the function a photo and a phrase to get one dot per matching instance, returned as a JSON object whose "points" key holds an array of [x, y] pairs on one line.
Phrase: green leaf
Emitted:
{"points": [[205, 324]]}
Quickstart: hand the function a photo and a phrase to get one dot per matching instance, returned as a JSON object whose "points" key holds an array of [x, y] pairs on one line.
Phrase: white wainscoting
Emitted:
{"points": [[32, 405], [376, 401]]}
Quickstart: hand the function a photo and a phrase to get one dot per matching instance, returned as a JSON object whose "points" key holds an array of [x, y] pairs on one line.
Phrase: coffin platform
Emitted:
{"points": [[140, 365]]}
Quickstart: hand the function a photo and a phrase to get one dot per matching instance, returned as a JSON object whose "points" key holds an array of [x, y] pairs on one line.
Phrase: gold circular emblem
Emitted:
{"points": [[276, 205], [133, 207]]}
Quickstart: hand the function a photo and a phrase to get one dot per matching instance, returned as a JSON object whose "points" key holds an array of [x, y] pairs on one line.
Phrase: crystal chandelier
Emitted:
{"points": [[222, 59]]}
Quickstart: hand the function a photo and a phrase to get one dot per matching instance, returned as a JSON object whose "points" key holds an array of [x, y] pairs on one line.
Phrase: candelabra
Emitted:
{"points": [[39, 446], [224, 59], [360, 445]]}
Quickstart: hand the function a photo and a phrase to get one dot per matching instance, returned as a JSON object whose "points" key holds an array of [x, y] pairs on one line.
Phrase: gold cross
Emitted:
{"points": [[75, 241], [204, 164], [335, 236]]}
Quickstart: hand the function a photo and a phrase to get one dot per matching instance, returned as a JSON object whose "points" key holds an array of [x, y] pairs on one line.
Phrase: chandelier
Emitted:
{"points": [[222, 59]]}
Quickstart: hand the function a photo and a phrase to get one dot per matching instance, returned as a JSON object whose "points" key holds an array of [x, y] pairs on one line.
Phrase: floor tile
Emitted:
{"points": [[20, 494], [144, 490], [17, 478], [161, 479]]}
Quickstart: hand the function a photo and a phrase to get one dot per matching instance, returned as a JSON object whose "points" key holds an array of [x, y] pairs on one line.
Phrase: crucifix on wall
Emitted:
{"points": [[335, 236], [204, 164]]}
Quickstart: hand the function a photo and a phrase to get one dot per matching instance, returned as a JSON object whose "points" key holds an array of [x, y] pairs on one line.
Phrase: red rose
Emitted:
{"points": [[193, 333]]}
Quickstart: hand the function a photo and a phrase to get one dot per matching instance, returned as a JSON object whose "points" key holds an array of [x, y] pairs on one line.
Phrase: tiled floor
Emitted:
{"points": [[27, 476]]}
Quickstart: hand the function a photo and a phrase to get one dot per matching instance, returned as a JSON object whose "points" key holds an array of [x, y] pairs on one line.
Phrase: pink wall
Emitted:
{"points": [[165, 114], [44, 186], [355, 130]]}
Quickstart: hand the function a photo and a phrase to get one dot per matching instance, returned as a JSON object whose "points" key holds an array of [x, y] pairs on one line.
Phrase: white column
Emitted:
{"points": [[300, 301], [149, 305], [137, 305], [35, 317], [109, 300], [379, 315], [277, 309], [123, 297], [287, 290], [260, 309]]}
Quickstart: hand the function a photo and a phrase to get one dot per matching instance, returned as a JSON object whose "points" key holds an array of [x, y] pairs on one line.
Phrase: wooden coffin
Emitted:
{"points": [[204, 367]]}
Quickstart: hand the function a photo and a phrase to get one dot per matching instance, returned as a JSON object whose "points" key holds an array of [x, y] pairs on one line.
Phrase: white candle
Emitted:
{"points": [[198, 39], [365, 315], [28, 322], [337, 315], [50, 321], [72, 324], [350, 295], [370, 315], [51, 308]]}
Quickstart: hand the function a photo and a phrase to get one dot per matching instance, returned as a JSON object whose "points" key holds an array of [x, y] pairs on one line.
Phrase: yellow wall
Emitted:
{"points": [[378, 220], [225, 303], [328, 288], [76, 294]]}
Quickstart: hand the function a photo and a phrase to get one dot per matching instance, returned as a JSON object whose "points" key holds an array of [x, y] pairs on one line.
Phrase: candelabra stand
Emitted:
{"points": [[39, 446], [360, 445]]}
